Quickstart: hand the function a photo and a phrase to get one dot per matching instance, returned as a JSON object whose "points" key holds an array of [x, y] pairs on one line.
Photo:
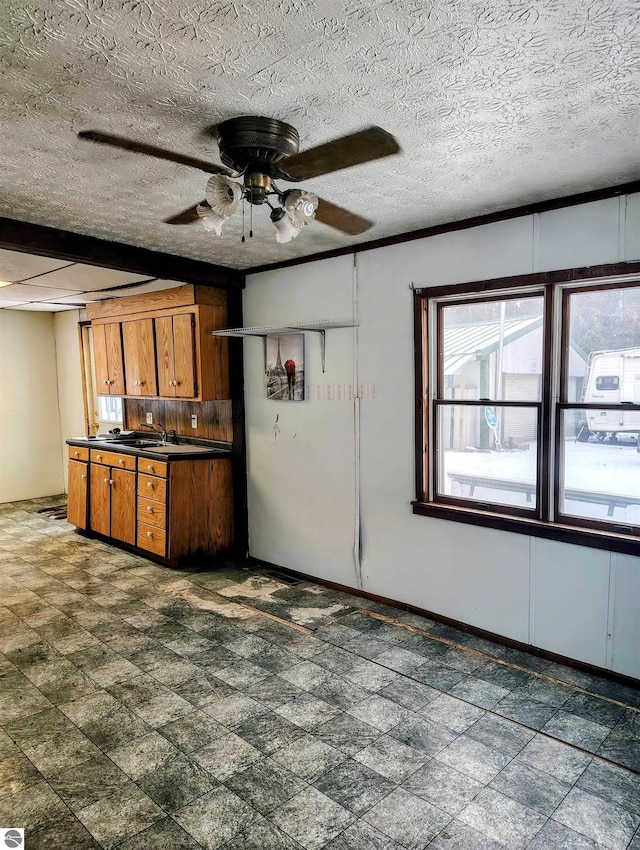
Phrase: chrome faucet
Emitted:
{"points": [[159, 430]]}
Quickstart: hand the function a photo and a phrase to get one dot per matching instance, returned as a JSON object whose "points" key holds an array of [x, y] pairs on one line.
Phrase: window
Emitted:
{"points": [[529, 406]]}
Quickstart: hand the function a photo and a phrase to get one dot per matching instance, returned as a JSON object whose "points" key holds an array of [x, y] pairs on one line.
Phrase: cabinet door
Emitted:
{"points": [[100, 489], [107, 355], [139, 357], [123, 505], [78, 490], [175, 345]]}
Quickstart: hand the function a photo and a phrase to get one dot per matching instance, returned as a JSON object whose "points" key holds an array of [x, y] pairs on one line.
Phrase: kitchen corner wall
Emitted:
{"points": [[30, 437], [69, 375], [330, 479]]}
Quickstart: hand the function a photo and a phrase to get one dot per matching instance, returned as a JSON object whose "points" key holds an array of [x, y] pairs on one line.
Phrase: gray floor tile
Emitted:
{"points": [[265, 785], [379, 712], [32, 807], [407, 819], [306, 675], [576, 730], [528, 712], [598, 819], [622, 747], [391, 758], [262, 836], [438, 675], [362, 836], [311, 818], [273, 691], [473, 758], [339, 692], [162, 835], [423, 734], [478, 692], [501, 734], [503, 675], [453, 713], [613, 783], [371, 676], [114, 728], [593, 708], [307, 711], [531, 787], [193, 731], [542, 690], [163, 708], [38, 727], [17, 773], [355, 786], [63, 751], [176, 782], [554, 835], [459, 836], [86, 783], [216, 817], [555, 758], [502, 819], [234, 709], [227, 755], [117, 817], [410, 694], [347, 733], [308, 757], [143, 754], [268, 731], [444, 787], [60, 835], [336, 659]]}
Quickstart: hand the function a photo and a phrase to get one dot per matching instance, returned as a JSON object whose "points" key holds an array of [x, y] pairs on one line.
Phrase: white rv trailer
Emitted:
{"points": [[613, 377]]}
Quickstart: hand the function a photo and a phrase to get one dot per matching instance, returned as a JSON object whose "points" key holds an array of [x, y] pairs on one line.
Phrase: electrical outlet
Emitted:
{"points": [[149, 417], [194, 420]]}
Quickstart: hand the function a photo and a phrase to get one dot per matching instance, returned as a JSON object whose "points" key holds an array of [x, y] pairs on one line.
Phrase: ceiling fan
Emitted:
{"points": [[257, 152]]}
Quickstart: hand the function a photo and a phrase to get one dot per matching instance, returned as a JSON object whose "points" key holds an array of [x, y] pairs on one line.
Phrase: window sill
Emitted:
{"points": [[598, 539]]}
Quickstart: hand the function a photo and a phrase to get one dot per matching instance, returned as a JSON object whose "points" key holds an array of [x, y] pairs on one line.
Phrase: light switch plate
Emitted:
{"points": [[194, 420], [149, 417]]}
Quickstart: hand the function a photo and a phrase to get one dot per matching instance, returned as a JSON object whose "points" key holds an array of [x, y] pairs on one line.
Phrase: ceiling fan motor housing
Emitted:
{"points": [[255, 143]]}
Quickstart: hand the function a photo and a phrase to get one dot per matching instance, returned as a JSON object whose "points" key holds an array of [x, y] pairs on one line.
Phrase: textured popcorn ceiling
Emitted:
{"points": [[495, 104]]}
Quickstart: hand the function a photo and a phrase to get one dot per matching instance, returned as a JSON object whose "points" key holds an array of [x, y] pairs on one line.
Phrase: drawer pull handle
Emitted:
{"points": [[149, 533], [150, 485], [83, 477], [150, 509], [98, 457], [108, 480], [150, 467], [107, 382], [121, 462]]}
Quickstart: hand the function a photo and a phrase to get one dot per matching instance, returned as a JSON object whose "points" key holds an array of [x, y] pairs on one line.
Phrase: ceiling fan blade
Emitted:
{"points": [[364, 146], [185, 217], [341, 219], [151, 150]]}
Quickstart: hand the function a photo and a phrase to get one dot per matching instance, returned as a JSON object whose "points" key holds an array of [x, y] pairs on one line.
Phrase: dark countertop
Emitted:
{"points": [[187, 449]]}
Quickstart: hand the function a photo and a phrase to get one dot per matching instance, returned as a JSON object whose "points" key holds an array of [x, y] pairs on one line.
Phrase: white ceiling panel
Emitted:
{"points": [[85, 278], [17, 266], [27, 292], [152, 286], [43, 307], [5, 305]]}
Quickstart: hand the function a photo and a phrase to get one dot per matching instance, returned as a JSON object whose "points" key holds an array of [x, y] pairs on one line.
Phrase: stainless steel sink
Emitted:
{"points": [[170, 449], [138, 443]]}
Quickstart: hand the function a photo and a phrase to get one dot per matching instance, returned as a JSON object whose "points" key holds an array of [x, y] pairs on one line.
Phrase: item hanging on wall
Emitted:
{"points": [[284, 367]]}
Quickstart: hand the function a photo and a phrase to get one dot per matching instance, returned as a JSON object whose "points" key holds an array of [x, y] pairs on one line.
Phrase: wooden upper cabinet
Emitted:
{"points": [[107, 354], [139, 357], [176, 353], [168, 332]]}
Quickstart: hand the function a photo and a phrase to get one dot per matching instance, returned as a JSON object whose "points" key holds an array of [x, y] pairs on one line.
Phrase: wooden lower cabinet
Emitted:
{"points": [[173, 510], [113, 502], [78, 499]]}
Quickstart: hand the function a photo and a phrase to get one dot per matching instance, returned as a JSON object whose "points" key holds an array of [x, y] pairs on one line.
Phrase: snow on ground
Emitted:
{"points": [[593, 466]]}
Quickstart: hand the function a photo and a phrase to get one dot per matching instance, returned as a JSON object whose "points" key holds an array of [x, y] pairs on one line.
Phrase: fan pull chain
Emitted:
{"points": [[251, 222], [243, 239]]}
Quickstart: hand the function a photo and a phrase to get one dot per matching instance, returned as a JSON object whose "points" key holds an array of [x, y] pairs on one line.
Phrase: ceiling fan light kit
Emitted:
{"points": [[259, 151]]}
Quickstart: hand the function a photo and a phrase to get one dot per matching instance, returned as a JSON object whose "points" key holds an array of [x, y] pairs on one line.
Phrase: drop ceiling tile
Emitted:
{"points": [[153, 286], [77, 298], [7, 305], [31, 292], [44, 307], [87, 278], [15, 265]]}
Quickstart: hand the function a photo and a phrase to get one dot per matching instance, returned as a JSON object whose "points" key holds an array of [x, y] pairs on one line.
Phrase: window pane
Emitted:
{"points": [[600, 469], [492, 349], [604, 357], [483, 455], [110, 409]]}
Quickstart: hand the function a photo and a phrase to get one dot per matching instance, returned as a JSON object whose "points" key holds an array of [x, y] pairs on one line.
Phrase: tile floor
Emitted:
{"points": [[148, 708]]}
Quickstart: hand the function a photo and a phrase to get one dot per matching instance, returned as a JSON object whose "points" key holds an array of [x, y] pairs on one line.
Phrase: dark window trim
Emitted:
{"points": [[578, 533]]}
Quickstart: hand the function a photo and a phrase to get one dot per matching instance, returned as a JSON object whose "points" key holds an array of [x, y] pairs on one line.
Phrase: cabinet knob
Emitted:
{"points": [[121, 462], [150, 467], [150, 509], [106, 382], [149, 533], [150, 484], [76, 454], [98, 457], [106, 481], [83, 477]]}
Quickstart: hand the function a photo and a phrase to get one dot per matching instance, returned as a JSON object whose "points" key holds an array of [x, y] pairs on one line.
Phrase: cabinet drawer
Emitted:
{"points": [[113, 459], [152, 487], [152, 513], [78, 453], [152, 539], [152, 467]]}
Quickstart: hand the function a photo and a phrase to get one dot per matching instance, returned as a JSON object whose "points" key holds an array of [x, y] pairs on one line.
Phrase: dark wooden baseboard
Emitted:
{"points": [[583, 666]]}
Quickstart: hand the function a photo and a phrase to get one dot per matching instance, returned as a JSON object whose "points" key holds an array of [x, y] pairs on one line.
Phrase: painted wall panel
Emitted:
{"points": [[69, 375], [631, 235], [625, 626], [570, 600], [578, 236], [30, 457]]}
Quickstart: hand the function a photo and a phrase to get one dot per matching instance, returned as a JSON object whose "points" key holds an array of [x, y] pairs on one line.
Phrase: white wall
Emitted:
{"points": [[69, 377], [30, 439], [304, 458]]}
